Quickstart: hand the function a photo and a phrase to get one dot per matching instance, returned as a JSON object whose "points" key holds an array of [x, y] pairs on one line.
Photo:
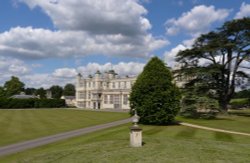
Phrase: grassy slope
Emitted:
{"points": [[172, 144], [19, 125], [235, 121]]}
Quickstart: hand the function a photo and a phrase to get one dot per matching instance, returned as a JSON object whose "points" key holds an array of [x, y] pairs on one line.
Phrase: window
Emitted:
{"points": [[81, 95], [105, 99], [125, 85], [81, 104], [113, 84], [111, 99], [116, 99], [93, 84], [125, 99], [119, 85], [89, 95]]}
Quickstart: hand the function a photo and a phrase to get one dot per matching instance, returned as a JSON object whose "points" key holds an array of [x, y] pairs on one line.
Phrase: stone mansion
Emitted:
{"points": [[103, 91], [107, 90]]}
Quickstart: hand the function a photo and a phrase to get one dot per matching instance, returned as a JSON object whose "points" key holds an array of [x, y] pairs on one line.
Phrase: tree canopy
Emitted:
{"points": [[13, 86], [41, 92], [218, 60], [69, 90], [155, 98], [56, 91]]}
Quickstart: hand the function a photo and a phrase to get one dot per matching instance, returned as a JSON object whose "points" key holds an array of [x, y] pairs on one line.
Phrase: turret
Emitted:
{"points": [[111, 74], [97, 74], [78, 79]]}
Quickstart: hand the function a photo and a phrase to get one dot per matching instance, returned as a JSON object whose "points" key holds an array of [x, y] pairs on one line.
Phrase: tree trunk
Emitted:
{"points": [[223, 106]]}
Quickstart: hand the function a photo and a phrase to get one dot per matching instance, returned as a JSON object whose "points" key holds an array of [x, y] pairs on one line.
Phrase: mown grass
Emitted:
{"points": [[236, 120], [171, 144], [20, 125]]}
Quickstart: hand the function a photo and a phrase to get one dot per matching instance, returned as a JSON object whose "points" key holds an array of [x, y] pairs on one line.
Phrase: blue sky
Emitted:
{"points": [[47, 42]]}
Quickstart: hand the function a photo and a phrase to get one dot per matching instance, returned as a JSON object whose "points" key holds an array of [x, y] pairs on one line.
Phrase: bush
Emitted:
{"points": [[31, 103], [155, 98]]}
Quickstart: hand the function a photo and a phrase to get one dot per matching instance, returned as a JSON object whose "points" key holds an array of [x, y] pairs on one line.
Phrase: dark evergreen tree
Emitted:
{"points": [[69, 90], [226, 53], [154, 96]]}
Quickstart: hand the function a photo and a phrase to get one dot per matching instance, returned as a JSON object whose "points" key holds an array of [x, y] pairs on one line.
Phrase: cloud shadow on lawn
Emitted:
{"points": [[186, 133], [223, 137]]}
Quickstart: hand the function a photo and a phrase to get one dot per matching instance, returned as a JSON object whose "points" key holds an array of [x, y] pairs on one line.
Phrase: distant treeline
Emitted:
{"points": [[242, 94], [10, 103]]}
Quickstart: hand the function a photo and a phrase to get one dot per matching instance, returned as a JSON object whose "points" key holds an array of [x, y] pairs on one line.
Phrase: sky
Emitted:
{"points": [[48, 42]]}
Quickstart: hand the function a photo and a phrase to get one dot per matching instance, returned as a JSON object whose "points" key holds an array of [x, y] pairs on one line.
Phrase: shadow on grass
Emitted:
{"points": [[186, 133], [153, 131], [223, 137], [242, 114], [204, 119]]}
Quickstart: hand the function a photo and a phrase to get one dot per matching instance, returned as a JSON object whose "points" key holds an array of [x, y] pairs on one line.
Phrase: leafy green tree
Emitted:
{"points": [[242, 94], [223, 53], [41, 92], [154, 96], [30, 91], [13, 86], [56, 91], [69, 90], [2, 92]]}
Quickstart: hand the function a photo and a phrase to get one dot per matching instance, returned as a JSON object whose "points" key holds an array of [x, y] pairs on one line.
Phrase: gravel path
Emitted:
{"points": [[214, 129], [10, 149]]}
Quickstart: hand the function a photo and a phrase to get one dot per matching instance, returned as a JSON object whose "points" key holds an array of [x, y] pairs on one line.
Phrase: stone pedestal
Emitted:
{"points": [[135, 136]]}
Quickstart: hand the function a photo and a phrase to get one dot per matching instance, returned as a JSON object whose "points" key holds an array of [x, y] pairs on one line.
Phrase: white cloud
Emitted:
{"points": [[244, 11], [41, 43], [84, 27], [65, 73], [122, 68], [61, 76], [170, 55], [196, 21], [13, 66], [95, 16], [45, 80]]}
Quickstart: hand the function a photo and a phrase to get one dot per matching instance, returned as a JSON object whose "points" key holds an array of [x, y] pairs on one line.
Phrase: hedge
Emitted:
{"points": [[240, 103], [12, 103]]}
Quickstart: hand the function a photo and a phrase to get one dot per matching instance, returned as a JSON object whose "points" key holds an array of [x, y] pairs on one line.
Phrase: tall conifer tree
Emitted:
{"points": [[154, 96]]}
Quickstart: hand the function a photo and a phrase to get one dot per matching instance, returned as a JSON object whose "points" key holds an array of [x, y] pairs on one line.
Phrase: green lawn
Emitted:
{"points": [[171, 144], [237, 120], [20, 125]]}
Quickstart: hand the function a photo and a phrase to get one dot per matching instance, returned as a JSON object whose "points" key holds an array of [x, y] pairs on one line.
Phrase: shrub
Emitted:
{"points": [[155, 98], [31, 103]]}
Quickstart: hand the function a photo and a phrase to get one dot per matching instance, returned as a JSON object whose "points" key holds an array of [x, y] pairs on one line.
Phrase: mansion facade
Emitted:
{"points": [[108, 90], [103, 91]]}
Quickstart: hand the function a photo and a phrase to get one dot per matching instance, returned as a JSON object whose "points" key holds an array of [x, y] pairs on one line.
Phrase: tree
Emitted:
{"points": [[56, 91], [69, 90], [2, 92], [242, 94], [155, 98], [41, 92], [13, 86], [30, 91], [224, 52]]}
